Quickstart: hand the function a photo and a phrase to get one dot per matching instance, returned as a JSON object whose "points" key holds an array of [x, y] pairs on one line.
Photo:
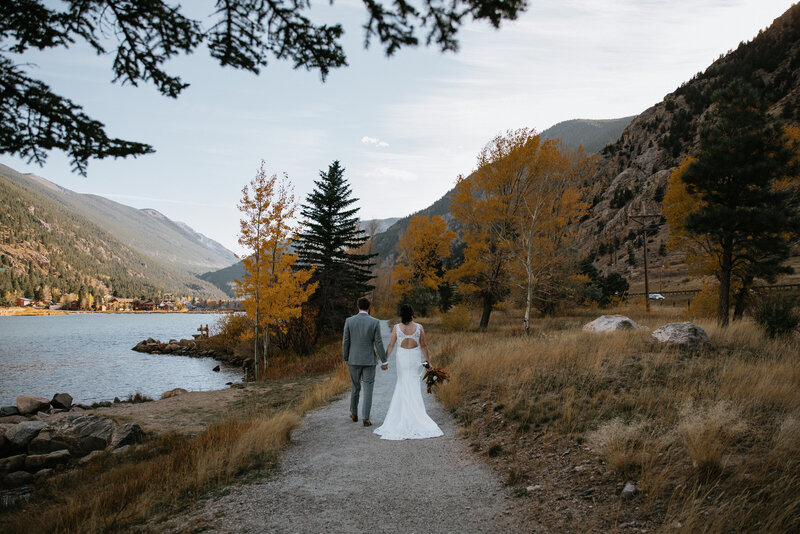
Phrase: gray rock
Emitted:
{"points": [[35, 462], [17, 479], [13, 419], [127, 434], [629, 490], [57, 458], [8, 410], [90, 457], [83, 434], [44, 443], [686, 335], [62, 400], [30, 405], [12, 463], [23, 433], [610, 323]]}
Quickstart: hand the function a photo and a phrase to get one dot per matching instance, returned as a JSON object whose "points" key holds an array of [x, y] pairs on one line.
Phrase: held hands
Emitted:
{"points": [[385, 366]]}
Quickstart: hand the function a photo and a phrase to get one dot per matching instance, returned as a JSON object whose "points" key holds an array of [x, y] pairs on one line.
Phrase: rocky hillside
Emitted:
{"points": [[45, 245], [633, 172], [149, 232]]}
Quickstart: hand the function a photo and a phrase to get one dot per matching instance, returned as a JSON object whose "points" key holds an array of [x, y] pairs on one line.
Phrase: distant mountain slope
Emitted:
{"points": [[592, 134], [46, 245], [633, 172], [224, 278], [147, 231]]}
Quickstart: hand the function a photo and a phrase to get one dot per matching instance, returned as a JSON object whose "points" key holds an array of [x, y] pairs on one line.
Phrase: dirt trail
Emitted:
{"points": [[337, 476]]}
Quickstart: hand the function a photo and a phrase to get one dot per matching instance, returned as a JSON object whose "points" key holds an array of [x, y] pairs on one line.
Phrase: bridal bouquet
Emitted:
{"points": [[435, 376]]}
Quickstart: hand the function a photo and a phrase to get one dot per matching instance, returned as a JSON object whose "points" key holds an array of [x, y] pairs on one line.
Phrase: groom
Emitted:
{"points": [[361, 341]]}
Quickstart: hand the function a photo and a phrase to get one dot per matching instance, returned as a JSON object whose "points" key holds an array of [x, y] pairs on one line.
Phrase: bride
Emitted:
{"points": [[406, 417]]}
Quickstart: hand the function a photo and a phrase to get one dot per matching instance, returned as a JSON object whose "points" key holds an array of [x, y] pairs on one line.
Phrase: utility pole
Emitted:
{"points": [[642, 220]]}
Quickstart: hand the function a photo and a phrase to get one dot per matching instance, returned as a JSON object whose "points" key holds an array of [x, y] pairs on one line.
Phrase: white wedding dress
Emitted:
{"points": [[406, 417]]}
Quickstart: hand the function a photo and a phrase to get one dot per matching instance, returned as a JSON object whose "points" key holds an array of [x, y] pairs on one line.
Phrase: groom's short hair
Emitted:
{"points": [[363, 303]]}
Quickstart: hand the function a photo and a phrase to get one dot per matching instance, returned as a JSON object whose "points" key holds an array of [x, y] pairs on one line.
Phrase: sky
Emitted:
{"points": [[403, 127]]}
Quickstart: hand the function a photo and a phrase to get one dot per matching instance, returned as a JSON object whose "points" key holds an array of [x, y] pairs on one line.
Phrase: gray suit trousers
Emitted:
{"points": [[362, 374]]}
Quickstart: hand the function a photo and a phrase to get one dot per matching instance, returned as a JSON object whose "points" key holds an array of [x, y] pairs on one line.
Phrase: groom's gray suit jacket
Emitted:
{"points": [[362, 340]]}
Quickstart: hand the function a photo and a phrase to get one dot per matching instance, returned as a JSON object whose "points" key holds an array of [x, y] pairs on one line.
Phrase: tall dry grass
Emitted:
{"points": [[710, 437], [168, 473]]}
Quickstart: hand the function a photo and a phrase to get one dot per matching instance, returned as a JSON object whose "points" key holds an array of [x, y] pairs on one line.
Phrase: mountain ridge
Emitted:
{"points": [[45, 246], [157, 237]]}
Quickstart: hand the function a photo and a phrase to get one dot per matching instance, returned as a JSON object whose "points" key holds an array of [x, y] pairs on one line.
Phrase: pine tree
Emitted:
{"points": [[329, 241], [748, 219]]}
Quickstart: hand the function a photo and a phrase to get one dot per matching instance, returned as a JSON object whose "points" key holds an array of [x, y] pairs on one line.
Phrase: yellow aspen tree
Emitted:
{"points": [[273, 291], [486, 204], [515, 210], [551, 201], [422, 250]]}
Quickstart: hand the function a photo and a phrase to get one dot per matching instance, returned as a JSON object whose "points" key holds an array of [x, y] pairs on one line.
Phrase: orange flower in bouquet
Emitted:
{"points": [[434, 376]]}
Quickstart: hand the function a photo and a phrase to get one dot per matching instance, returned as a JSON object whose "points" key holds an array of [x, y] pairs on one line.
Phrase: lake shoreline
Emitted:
{"points": [[28, 312], [90, 356]]}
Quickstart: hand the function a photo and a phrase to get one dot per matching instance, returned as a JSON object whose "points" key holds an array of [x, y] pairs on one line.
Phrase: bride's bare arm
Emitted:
{"points": [[391, 344], [423, 345]]}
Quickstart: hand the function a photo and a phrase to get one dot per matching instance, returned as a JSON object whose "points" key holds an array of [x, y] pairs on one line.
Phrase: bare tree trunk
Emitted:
{"points": [[526, 322], [255, 345]]}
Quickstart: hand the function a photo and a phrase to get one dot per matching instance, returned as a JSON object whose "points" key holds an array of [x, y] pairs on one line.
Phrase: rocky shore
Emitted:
{"points": [[39, 437], [192, 348]]}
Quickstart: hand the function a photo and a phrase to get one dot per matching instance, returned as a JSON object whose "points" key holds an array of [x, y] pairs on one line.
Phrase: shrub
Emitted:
{"points": [[708, 432], [704, 304], [777, 316], [621, 444], [456, 319]]}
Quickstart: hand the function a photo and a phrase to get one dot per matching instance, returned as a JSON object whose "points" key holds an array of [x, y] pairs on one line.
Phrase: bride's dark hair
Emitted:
{"points": [[406, 313]]}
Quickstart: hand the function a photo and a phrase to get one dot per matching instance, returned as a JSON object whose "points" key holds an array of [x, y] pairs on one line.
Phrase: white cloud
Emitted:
{"points": [[374, 141]]}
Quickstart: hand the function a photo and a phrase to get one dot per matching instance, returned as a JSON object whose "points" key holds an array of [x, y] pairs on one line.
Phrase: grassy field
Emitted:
{"points": [[175, 468], [710, 440]]}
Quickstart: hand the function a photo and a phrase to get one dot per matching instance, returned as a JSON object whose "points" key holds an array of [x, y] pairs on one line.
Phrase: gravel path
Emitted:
{"points": [[337, 476]]}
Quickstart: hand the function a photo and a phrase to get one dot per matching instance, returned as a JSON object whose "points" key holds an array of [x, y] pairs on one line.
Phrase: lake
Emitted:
{"points": [[89, 356]]}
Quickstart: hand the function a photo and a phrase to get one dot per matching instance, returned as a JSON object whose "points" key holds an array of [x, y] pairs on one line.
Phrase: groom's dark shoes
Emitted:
{"points": [[354, 417], [367, 422]]}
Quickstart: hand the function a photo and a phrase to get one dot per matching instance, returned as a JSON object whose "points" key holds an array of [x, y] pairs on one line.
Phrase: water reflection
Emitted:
{"points": [[89, 356]]}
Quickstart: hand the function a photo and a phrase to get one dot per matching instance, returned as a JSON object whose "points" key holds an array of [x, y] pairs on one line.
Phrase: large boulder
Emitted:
{"points": [[82, 434], [173, 393], [62, 401], [685, 335], [29, 405], [610, 323], [127, 434], [23, 433]]}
